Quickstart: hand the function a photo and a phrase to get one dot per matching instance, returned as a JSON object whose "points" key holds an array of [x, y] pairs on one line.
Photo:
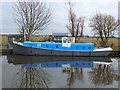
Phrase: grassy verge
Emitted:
{"points": [[3, 47], [116, 48]]}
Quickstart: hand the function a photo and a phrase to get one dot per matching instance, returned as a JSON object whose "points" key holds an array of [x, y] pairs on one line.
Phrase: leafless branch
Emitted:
{"points": [[103, 25], [76, 25], [32, 17]]}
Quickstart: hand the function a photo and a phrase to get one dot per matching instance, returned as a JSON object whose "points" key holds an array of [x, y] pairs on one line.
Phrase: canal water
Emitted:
{"points": [[59, 72]]}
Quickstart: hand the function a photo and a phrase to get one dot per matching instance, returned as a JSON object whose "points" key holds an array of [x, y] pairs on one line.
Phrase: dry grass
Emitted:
{"points": [[113, 42], [4, 40], [35, 38]]}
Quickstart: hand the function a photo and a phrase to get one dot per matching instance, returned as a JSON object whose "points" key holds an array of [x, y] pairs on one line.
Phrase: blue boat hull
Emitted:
{"points": [[25, 50]]}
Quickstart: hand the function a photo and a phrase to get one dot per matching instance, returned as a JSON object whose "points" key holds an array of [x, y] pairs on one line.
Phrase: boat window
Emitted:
{"points": [[89, 63], [76, 47], [89, 47], [46, 45], [56, 46], [30, 44], [83, 63], [56, 64], [83, 47], [64, 40], [76, 63], [46, 64]]}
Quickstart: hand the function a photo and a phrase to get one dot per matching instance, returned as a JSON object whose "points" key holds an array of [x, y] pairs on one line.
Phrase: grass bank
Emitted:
{"points": [[113, 42], [114, 48]]}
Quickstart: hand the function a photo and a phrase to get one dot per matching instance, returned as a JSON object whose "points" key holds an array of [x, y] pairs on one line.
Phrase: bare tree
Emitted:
{"points": [[76, 24], [32, 78], [82, 25], [73, 76], [104, 26], [118, 21], [31, 17], [103, 75]]}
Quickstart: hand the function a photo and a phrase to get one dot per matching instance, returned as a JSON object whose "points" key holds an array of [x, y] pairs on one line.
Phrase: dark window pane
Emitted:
{"points": [[89, 47], [89, 63], [76, 63], [56, 64], [76, 47], [83, 63], [83, 47]]}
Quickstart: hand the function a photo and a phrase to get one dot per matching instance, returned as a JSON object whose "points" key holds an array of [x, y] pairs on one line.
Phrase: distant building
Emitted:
{"points": [[85, 36], [57, 37], [15, 37]]}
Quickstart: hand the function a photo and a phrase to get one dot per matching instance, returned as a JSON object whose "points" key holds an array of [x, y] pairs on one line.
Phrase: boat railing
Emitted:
{"points": [[18, 43]]}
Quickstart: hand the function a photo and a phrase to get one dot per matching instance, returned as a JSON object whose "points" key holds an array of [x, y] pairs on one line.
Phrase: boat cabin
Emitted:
{"points": [[65, 45], [59, 46]]}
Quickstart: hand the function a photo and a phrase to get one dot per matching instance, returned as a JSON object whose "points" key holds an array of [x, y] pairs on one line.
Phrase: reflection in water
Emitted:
{"points": [[60, 64], [73, 75], [102, 75], [73, 68], [32, 70], [32, 78]]}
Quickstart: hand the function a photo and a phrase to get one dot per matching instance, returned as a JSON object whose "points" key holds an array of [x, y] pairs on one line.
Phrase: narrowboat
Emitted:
{"points": [[66, 48]]}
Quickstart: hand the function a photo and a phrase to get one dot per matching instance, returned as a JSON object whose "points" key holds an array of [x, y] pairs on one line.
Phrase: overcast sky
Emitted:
{"points": [[85, 8]]}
